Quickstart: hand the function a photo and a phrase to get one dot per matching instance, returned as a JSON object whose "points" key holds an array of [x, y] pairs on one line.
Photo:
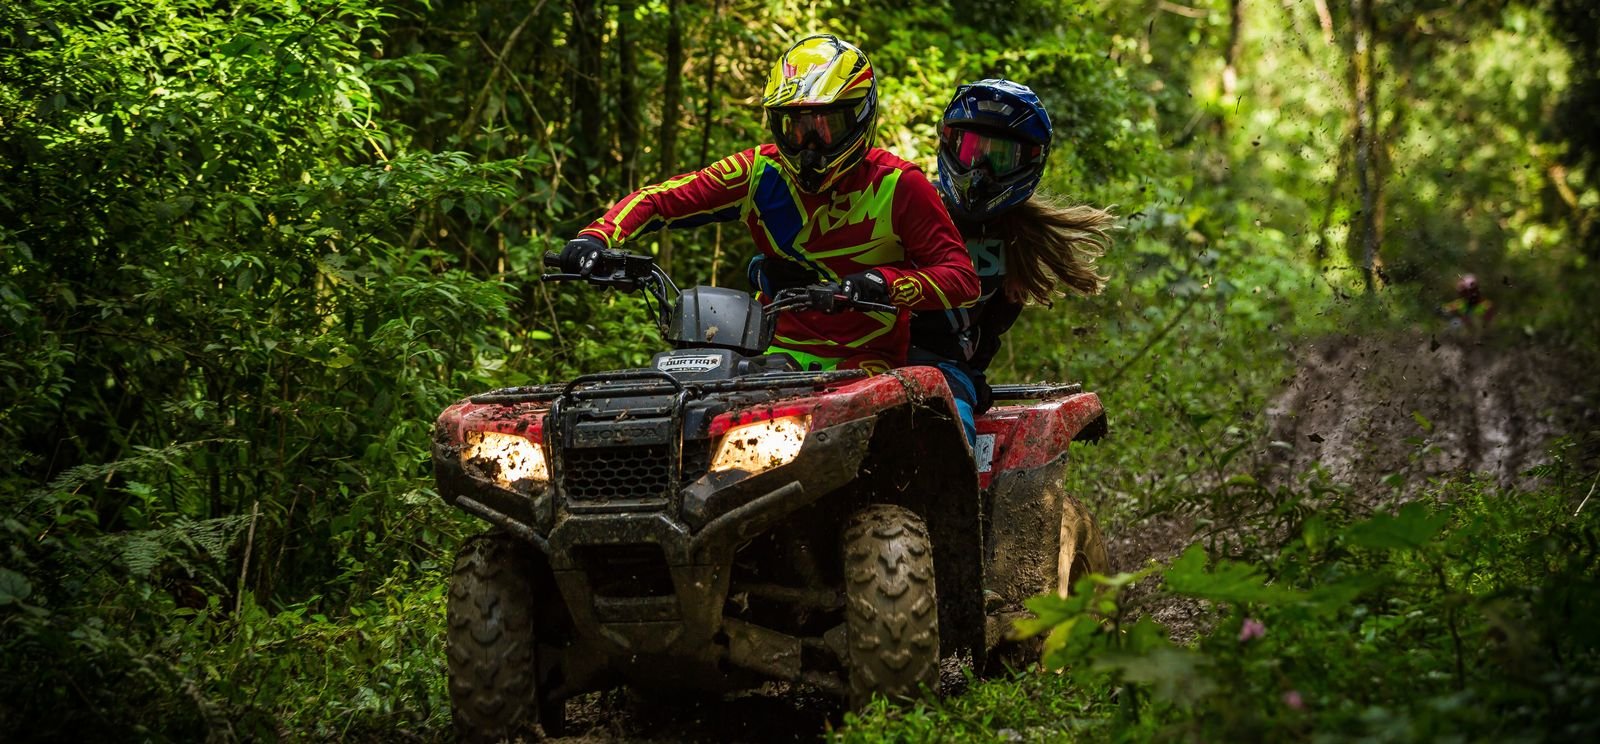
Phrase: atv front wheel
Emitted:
{"points": [[491, 642], [891, 610]]}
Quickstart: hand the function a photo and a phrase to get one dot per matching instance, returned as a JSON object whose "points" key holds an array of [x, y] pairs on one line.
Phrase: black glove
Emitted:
{"points": [[867, 286], [980, 385], [579, 255], [773, 275]]}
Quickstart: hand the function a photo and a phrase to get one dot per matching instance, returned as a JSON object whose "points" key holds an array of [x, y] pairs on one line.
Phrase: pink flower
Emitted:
{"points": [[1293, 700], [1251, 630]]}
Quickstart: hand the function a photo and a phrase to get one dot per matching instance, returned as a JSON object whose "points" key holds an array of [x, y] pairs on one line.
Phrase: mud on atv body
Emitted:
{"points": [[722, 519]]}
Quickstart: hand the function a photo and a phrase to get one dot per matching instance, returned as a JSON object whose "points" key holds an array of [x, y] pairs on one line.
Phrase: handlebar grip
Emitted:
{"points": [[552, 260]]}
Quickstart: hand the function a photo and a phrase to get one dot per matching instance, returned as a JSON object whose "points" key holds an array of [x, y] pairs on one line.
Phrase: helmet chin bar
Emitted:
{"points": [[978, 194], [813, 169]]}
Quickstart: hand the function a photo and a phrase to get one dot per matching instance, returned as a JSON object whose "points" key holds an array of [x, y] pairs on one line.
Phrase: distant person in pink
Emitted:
{"points": [[1470, 311]]}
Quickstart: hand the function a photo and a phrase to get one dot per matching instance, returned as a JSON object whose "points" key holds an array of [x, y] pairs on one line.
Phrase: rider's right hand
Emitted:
{"points": [[867, 286], [580, 254]]}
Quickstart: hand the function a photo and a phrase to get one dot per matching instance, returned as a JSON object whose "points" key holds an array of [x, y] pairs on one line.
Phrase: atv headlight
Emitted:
{"points": [[507, 458], [761, 446]]}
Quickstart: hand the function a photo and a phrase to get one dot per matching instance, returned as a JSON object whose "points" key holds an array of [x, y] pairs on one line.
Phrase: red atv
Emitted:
{"points": [[723, 518]]}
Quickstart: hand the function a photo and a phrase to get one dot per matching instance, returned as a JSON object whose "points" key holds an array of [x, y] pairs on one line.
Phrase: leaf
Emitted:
{"points": [[1057, 639], [1173, 674], [1331, 597], [1422, 421], [1412, 528], [14, 587], [1051, 611], [1227, 457], [1228, 581], [1243, 479]]}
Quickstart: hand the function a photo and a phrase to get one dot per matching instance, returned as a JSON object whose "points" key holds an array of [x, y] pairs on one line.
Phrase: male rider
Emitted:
{"points": [[823, 205]]}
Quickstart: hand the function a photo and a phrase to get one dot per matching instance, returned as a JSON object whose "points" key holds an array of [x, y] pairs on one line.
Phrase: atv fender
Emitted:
{"points": [[1029, 436]]}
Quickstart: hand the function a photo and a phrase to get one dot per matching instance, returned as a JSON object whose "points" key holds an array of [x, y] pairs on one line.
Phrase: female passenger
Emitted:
{"points": [[993, 142]]}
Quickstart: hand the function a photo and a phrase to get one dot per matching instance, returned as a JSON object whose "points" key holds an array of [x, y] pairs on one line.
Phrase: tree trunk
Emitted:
{"points": [[1363, 242], [671, 111], [1326, 19], [628, 126], [709, 116], [1339, 172], [587, 126], [1230, 67], [1380, 156]]}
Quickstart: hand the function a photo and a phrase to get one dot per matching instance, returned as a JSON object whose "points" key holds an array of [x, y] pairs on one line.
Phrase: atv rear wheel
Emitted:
{"points": [[891, 609], [492, 643], [1083, 548]]}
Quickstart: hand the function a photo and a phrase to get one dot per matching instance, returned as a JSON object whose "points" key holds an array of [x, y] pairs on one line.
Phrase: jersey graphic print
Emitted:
{"points": [[883, 215], [906, 290]]}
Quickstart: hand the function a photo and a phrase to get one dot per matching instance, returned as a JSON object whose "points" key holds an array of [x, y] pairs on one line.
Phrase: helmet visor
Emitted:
{"points": [[827, 127], [970, 149]]}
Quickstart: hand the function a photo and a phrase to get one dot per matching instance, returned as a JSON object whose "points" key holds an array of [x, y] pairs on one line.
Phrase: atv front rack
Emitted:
{"points": [[652, 382]]}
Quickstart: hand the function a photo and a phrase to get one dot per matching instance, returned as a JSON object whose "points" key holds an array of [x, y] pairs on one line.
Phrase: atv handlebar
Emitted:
{"points": [[632, 271], [625, 271], [828, 297], [612, 268]]}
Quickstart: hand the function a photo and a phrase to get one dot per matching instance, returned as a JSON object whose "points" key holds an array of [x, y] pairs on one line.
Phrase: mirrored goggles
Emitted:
{"points": [[970, 149], [828, 127]]}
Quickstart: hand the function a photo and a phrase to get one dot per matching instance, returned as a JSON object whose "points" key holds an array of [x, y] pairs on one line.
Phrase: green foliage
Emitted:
{"points": [[1462, 616], [247, 253]]}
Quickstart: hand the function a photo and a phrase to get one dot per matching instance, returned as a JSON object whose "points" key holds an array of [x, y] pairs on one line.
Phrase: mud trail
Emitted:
{"points": [[1373, 409], [1491, 409], [1357, 405]]}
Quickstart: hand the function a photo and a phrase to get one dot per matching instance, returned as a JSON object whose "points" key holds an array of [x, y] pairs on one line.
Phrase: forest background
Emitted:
{"points": [[249, 250]]}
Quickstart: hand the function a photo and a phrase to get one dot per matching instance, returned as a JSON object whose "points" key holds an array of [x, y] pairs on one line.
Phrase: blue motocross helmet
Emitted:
{"points": [[992, 146]]}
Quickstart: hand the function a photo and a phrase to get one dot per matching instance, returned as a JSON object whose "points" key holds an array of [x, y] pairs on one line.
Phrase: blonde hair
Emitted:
{"points": [[1048, 245]]}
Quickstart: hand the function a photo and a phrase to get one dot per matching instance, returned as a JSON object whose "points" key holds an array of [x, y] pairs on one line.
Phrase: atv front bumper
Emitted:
{"points": [[642, 583]]}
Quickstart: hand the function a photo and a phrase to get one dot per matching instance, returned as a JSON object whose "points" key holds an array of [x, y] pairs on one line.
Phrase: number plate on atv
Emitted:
{"points": [[983, 452]]}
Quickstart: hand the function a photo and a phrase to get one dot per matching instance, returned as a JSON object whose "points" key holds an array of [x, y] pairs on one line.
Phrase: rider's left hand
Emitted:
{"points": [[580, 254]]}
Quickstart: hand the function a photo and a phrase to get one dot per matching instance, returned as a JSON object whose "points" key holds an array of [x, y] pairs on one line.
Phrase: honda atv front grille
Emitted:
{"points": [[696, 460], [606, 473]]}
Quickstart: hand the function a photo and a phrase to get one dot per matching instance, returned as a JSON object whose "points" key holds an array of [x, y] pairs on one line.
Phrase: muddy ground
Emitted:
{"points": [[1365, 408], [1385, 415]]}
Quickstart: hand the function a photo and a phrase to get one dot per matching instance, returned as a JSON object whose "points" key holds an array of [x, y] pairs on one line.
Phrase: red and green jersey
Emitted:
{"points": [[884, 214]]}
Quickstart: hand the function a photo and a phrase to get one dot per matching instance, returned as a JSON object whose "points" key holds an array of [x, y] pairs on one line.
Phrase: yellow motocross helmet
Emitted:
{"points": [[822, 103]]}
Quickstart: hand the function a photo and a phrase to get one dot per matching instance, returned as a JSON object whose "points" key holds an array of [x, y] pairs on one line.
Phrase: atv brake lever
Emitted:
{"points": [[876, 307]]}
